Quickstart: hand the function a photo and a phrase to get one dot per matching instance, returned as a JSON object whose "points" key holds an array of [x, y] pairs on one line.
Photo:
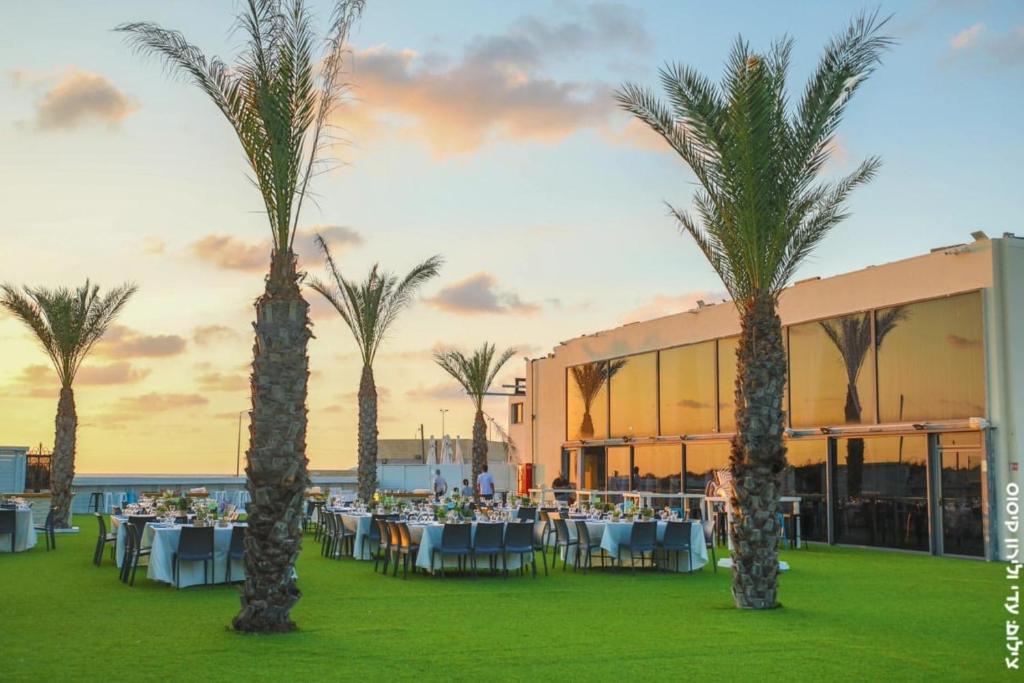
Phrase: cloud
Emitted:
{"points": [[153, 246], [136, 407], [448, 391], [231, 253], [668, 304], [204, 335], [959, 342], [479, 294], [636, 134], [218, 381], [40, 381], [497, 89], [124, 342], [115, 373], [75, 98], [967, 38]]}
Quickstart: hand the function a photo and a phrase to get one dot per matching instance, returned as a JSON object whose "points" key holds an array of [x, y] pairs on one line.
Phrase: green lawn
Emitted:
{"points": [[849, 614]]}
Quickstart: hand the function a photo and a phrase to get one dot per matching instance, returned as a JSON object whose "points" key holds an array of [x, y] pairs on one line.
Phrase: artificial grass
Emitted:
{"points": [[848, 614]]}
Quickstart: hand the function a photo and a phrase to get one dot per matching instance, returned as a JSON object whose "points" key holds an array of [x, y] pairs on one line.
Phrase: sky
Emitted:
{"points": [[485, 132]]}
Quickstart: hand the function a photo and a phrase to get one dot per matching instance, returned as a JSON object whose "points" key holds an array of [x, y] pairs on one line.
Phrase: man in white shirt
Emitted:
{"points": [[485, 485], [440, 485]]}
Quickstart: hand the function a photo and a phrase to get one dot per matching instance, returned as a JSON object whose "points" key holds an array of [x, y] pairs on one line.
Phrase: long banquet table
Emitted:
{"points": [[25, 532], [428, 535], [615, 534]]}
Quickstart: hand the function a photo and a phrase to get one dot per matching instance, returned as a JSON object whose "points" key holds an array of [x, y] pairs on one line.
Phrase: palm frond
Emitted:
{"points": [[474, 373]]}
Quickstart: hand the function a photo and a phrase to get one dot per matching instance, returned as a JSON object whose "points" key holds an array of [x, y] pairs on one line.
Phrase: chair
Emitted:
{"points": [[526, 514], [456, 539], [195, 544], [546, 516], [48, 531], [133, 553], [407, 550], [375, 536], [307, 519], [394, 543], [563, 539], [95, 502], [677, 540], [379, 531], [790, 523], [329, 536], [540, 530], [642, 539], [236, 549], [709, 540], [487, 541], [519, 540], [9, 524], [116, 511], [102, 540], [584, 543]]}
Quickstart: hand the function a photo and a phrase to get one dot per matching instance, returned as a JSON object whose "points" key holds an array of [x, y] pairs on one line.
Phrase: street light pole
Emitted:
{"points": [[443, 411], [238, 448]]}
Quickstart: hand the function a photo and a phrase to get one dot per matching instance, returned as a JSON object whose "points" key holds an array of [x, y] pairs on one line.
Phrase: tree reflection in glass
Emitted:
{"points": [[851, 336], [589, 378]]}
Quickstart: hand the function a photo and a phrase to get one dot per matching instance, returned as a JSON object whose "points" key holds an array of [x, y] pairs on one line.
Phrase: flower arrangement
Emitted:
{"points": [[647, 513]]}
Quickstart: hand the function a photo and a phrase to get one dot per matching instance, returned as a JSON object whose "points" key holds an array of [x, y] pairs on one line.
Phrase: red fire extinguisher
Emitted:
{"points": [[524, 478]]}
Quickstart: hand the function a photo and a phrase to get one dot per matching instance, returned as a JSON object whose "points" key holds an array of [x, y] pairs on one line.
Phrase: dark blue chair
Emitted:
{"points": [[642, 539], [456, 539], [195, 544], [488, 542], [585, 547], [236, 550], [676, 541], [9, 524], [520, 539], [48, 531], [563, 540]]}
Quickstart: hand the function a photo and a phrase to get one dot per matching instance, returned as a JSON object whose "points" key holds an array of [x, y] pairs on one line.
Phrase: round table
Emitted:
{"points": [[24, 532]]}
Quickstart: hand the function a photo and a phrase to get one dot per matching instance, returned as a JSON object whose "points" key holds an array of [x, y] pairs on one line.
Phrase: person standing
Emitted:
{"points": [[440, 485], [485, 485], [467, 490]]}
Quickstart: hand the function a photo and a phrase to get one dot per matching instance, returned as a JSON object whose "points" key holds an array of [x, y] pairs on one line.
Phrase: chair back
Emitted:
{"points": [[404, 536], [456, 537], [332, 522], [540, 530], [526, 514], [394, 535], [561, 528], [48, 524], [237, 546], [102, 524], [582, 532], [709, 530], [379, 532], [195, 540], [519, 535], [643, 536], [8, 506], [8, 520], [488, 535], [677, 535], [116, 510], [139, 522]]}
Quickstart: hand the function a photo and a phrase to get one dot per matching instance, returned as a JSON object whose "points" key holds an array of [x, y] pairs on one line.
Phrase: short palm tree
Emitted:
{"points": [[589, 378], [369, 308], [761, 211], [475, 373], [851, 335], [277, 98], [67, 323]]}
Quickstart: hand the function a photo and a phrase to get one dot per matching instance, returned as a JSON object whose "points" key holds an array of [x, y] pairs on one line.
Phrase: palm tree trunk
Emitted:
{"points": [[367, 435], [854, 447], [479, 444], [758, 456], [276, 469], [62, 462]]}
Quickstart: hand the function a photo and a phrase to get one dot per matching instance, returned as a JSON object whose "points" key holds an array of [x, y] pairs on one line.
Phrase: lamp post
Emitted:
{"points": [[238, 448], [443, 411]]}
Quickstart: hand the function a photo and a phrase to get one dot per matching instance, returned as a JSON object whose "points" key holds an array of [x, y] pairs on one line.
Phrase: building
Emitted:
{"points": [[905, 401]]}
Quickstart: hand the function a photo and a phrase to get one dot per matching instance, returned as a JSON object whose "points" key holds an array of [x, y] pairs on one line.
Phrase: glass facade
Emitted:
{"points": [[832, 372], [634, 397], [702, 459], [658, 468], [586, 404], [686, 382], [727, 383], [931, 360], [961, 455], [618, 469], [806, 478], [881, 492]]}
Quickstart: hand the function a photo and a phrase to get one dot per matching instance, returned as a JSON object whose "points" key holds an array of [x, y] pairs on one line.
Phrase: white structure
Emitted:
{"points": [[13, 465]]}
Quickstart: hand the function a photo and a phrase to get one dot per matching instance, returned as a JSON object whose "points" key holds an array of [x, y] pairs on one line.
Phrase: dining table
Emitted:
{"points": [[614, 534], [428, 536], [24, 532]]}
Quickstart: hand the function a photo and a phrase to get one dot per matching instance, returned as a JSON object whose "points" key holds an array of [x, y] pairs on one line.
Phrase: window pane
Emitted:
{"points": [[634, 396], [805, 478], [832, 372], [727, 383], [658, 468], [702, 459], [618, 468], [931, 362], [881, 492], [962, 526], [687, 386], [594, 468], [586, 410]]}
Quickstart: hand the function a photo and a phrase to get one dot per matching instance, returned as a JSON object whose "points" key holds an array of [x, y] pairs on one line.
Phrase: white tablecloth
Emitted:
{"points": [[117, 526], [164, 542], [25, 533], [614, 534], [429, 537], [360, 524]]}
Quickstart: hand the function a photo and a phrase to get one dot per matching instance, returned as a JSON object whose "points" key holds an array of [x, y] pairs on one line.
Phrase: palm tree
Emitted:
{"points": [[66, 323], [476, 374], [589, 378], [761, 211], [277, 98], [369, 308], [851, 335]]}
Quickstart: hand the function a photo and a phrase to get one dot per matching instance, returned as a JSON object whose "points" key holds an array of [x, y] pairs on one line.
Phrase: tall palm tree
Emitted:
{"points": [[369, 308], [589, 378], [66, 324], [851, 335], [277, 98], [475, 373], [761, 211]]}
